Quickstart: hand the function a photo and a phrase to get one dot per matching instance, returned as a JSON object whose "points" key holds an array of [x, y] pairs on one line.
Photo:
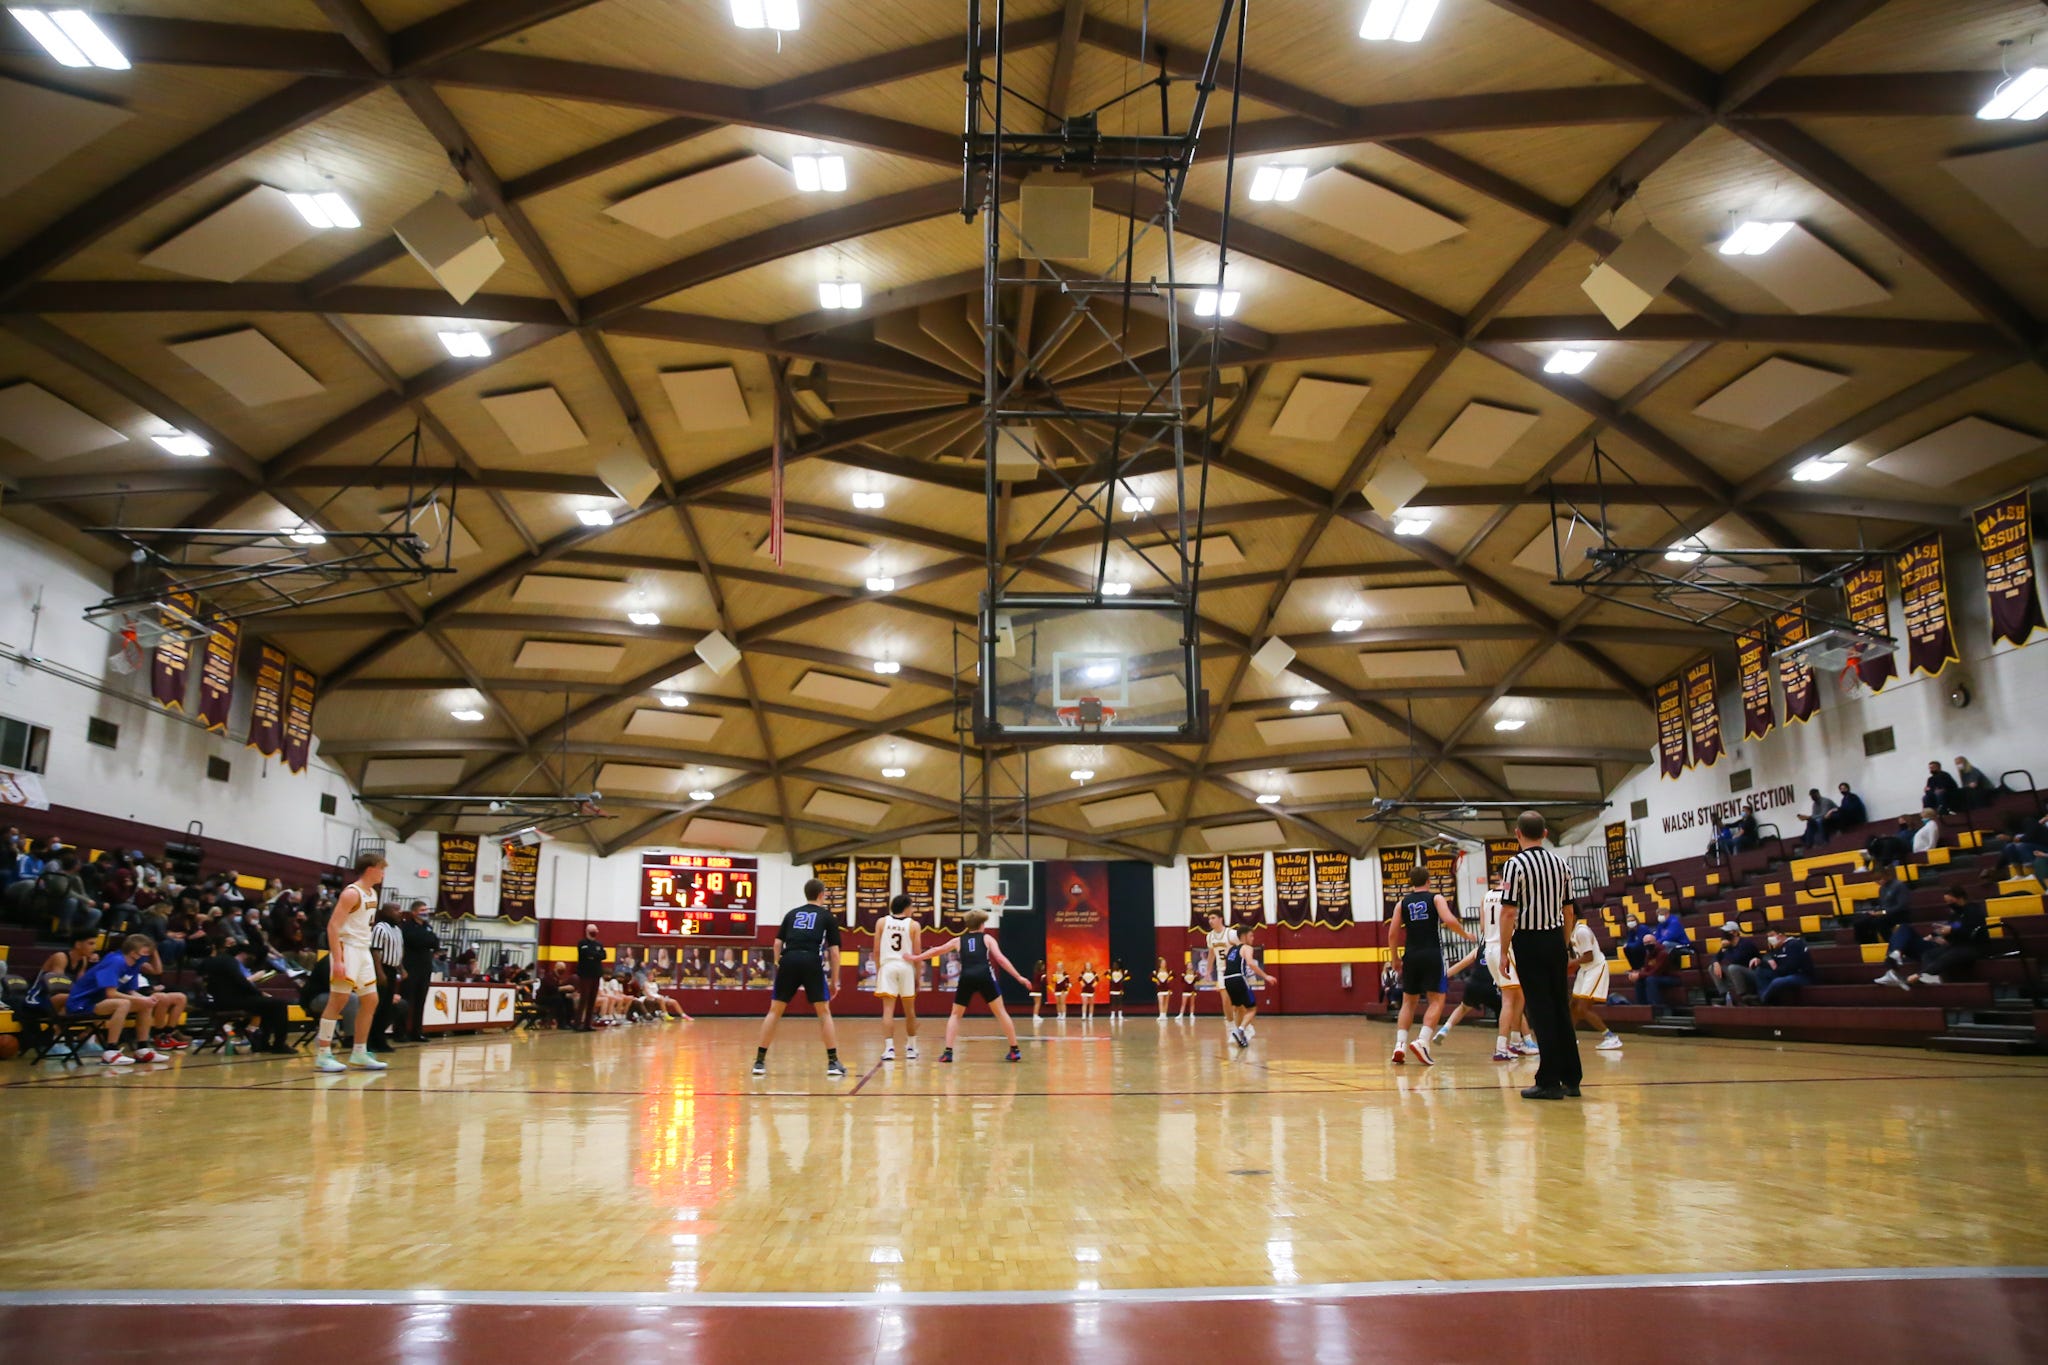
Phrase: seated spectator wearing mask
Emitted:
{"points": [[64, 895], [1817, 813], [1784, 967], [1929, 833], [1892, 909], [1889, 850], [1658, 979], [1947, 948], [1940, 793], [1733, 976], [1672, 932], [1978, 790], [1849, 812], [1632, 941]]}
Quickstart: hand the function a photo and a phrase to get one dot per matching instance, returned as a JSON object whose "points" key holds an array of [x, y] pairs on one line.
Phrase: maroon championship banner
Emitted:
{"points": [[266, 709], [518, 881], [1245, 873], [1703, 714], [1923, 597], [1498, 851], [1205, 891], [457, 877], [2005, 538], [1863, 592], [1293, 891], [951, 917], [170, 673], [1670, 728], [1802, 698], [1077, 925], [217, 674], [298, 718], [1395, 865], [1443, 871], [921, 884], [1617, 851], [870, 890], [1753, 668], [833, 872], [1333, 886]]}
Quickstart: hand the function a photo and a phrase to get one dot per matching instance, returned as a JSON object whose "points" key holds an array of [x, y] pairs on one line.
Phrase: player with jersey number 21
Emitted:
{"points": [[896, 944], [806, 958]]}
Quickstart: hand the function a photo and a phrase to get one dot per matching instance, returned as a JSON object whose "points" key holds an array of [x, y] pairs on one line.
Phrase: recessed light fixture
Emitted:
{"points": [[1210, 303], [1684, 552], [839, 293], [1281, 184], [70, 36], [1818, 470], [1411, 526], [643, 618], [467, 714], [1568, 362], [869, 502], [1753, 238], [1268, 798], [779, 15], [815, 174], [674, 699], [2022, 98], [1402, 21], [888, 666], [1344, 625], [306, 535], [184, 445], [1304, 704], [1116, 589], [466, 345], [1509, 723], [325, 210], [703, 794], [881, 583], [892, 772], [1134, 504], [593, 516], [1082, 774]]}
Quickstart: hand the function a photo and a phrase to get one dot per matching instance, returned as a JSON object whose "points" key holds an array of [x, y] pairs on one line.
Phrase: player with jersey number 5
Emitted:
{"points": [[807, 959], [896, 943], [980, 958], [352, 971]]}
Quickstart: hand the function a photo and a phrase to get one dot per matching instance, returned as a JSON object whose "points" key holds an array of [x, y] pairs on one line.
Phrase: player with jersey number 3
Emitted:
{"points": [[896, 943], [979, 960]]}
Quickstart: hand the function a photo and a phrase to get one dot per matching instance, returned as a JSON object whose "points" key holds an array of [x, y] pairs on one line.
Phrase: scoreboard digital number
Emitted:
{"points": [[698, 895]]}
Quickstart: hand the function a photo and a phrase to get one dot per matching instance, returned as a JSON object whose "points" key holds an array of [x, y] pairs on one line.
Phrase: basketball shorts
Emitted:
{"points": [[1240, 992], [896, 978], [974, 984], [1503, 971], [1480, 992], [1591, 982], [1423, 975], [354, 974], [801, 971]]}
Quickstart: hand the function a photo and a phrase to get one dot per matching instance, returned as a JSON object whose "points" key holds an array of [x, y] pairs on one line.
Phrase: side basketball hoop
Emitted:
{"points": [[995, 901], [1086, 714]]}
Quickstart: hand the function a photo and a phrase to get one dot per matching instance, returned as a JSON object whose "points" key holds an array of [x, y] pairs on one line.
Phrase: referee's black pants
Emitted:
{"points": [[1541, 962]]}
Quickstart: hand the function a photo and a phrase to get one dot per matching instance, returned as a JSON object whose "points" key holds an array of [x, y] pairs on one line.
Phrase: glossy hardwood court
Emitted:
{"points": [[1132, 1156]]}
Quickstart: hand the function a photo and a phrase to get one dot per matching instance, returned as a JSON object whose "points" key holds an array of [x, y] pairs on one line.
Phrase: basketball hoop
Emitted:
{"points": [[127, 655], [995, 901], [1087, 713]]}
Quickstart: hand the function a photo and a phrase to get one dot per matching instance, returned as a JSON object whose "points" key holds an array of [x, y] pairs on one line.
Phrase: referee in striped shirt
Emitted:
{"points": [[1536, 922]]}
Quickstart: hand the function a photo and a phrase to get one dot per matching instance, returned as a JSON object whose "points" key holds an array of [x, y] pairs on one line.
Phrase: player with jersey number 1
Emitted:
{"points": [[979, 960], [896, 943]]}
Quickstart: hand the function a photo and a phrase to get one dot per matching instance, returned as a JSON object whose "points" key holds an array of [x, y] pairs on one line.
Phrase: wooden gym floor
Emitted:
{"points": [[1114, 1165]]}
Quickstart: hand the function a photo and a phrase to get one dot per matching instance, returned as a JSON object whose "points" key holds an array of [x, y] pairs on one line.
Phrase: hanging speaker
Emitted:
{"points": [[628, 475], [454, 247], [1392, 485], [1056, 212], [718, 653], [1632, 277], [1273, 657]]}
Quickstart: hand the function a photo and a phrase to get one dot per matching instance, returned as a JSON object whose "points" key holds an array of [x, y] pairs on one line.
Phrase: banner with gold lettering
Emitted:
{"points": [[1498, 851], [832, 872], [1670, 728], [1205, 890], [871, 880], [1333, 886], [170, 674], [1293, 891], [951, 917], [1802, 698], [2005, 538], [1245, 873], [1863, 592], [266, 710], [921, 884], [1753, 668], [1923, 598], [217, 674], [518, 881], [299, 698], [457, 877], [1395, 865], [1617, 851], [1703, 714], [1442, 862]]}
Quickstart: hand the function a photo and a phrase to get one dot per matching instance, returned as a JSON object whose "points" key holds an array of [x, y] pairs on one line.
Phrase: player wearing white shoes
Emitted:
{"points": [[1507, 1041], [896, 942], [352, 970], [1415, 941], [1241, 970], [1480, 991], [980, 959], [1589, 987]]}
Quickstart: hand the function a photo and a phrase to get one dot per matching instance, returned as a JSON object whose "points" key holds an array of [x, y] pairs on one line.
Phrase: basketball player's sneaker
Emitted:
{"points": [[947, 1055], [1506, 1056], [1015, 1056], [834, 1070], [1524, 1048], [327, 1061], [1251, 1030], [1237, 1036], [362, 1060], [1610, 1043], [760, 1066], [910, 1052], [889, 1053], [1400, 1054], [1420, 1047]]}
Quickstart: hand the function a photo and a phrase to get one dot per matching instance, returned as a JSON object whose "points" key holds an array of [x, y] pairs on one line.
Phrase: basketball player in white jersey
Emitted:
{"points": [[352, 971], [1507, 1042], [1222, 938], [896, 943], [1589, 985]]}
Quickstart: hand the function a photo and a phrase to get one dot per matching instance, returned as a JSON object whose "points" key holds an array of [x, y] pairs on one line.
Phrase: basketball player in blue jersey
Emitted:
{"points": [[1414, 939], [979, 959], [1241, 970], [806, 958]]}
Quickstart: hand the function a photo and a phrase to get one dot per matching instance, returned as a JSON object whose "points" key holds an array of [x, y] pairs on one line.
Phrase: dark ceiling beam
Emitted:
{"points": [[471, 25], [353, 21], [1892, 94], [1806, 33], [864, 73], [150, 41], [1605, 34]]}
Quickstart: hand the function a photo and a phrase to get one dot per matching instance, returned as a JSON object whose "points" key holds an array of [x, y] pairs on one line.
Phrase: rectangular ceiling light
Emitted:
{"points": [[1634, 274], [1957, 451], [1250, 834], [71, 37], [454, 248], [249, 366], [564, 590], [704, 831], [685, 727], [845, 557], [707, 399], [818, 174], [1481, 434], [1549, 777], [2023, 97], [2013, 183], [854, 810], [1345, 200], [1318, 409], [836, 690], [1123, 810], [233, 241], [1400, 21], [45, 127], [1807, 275], [49, 428], [568, 656], [704, 197], [536, 421], [1326, 727], [1330, 783], [1412, 663], [1769, 393]]}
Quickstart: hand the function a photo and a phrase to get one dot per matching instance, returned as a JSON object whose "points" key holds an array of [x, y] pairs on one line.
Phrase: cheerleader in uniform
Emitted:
{"points": [[1038, 991], [1088, 980], [1059, 987], [1189, 978], [1162, 982], [1117, 977]]}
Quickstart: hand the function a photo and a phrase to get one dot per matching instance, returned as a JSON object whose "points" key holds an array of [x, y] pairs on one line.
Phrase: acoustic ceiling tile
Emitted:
{"points": [[1327, 727], [1481, 434], [411, 774], [1250, 834], [568, 656], [49, 428], [1327, 783], [645, 778], [536, 421], [1552, 777], [706, 399], [565, 590], [1956, 451], [1347, 201], [838, 690], [704, 197], [1768, 394], [250, 366], [1809, 276], [1412, 663], [688, 727], [1318, 409], [2012, 182], [854, 810], [45, 126], [706, 832], [1432, 599], [237, 239], [1123, 810]]}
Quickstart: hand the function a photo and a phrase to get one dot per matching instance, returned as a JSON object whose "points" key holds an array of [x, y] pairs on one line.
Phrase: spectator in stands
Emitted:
{"points": [[110, 988], [1658, 976], [1849, 812], [1632, 940], [1730, 969], [1890, 849], [231, 988], [1929, 833], [1978, 790], [1940, 793], [1948, 947], [1786, 966], [1746, 835], [11, 848], [464, 967], [1816, 818], [1672, 932], [65, 896], [1894, 908], [231, 891]]}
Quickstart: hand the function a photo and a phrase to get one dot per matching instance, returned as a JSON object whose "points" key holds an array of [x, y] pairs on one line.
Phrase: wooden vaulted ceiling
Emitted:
{"points": [[1546, 128]]}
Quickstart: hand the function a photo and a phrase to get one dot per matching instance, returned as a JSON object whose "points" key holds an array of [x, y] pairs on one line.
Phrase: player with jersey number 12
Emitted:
{"points": [[896, 943]]}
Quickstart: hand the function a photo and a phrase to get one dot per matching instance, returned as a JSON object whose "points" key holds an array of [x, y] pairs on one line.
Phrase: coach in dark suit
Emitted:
{"points": [[420, 943]]}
